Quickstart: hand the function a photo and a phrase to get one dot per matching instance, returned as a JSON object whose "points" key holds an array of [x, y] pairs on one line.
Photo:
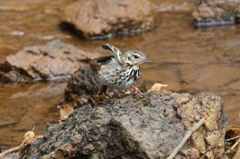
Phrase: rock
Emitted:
{"points": [[176, 6], [217, 12], [53, 61], [137, 127], [83, 88], [100, 19]]}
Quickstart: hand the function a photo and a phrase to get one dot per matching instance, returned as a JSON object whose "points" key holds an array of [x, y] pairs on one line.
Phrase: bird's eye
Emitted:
{"points": [[135, 56]]}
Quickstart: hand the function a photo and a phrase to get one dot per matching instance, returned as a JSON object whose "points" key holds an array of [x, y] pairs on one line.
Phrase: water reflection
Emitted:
{"points": [[24, 106]]}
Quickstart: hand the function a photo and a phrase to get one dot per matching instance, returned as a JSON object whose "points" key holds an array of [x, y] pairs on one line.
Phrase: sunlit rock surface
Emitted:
{"points": [[138, 127], [99, 19], [217, 12], [55, 60]]}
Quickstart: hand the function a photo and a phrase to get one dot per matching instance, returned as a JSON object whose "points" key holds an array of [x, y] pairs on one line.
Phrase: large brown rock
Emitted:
{"points": [[96, 19], [217, 12], [147, 127], [53, 61]]}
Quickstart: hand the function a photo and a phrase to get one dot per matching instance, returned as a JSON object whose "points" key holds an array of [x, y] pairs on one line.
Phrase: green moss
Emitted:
{"points": [[146, 104]]}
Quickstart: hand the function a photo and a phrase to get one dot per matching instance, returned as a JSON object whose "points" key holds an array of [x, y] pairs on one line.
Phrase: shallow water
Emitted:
{"points": [[189, 60]]}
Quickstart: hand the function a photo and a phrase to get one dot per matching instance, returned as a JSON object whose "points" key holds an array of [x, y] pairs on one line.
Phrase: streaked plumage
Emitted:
{"points": [[121, 70]]}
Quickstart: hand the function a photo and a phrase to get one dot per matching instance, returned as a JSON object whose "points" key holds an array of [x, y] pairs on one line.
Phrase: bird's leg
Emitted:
{"points": [[115, 94], [136, 90]]}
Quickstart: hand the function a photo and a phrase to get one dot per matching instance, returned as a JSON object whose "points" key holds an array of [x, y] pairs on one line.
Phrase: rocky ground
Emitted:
{"points": [[137, 127]]}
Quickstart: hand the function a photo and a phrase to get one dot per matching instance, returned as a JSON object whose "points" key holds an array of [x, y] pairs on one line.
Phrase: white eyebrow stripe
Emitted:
{"points": [[137, 55]]}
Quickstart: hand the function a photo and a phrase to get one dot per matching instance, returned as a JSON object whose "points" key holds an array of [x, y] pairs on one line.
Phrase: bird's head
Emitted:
{"points": [[134, 57]]}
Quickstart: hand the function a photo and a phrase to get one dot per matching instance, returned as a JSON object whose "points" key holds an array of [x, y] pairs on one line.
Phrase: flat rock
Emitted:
{"points": [[217, 12], [100, 19], [55, 60], [147, 127]]}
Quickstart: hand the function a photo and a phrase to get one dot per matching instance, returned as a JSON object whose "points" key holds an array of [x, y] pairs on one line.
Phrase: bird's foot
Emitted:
{"points": [[136, 90], [116, 94]]}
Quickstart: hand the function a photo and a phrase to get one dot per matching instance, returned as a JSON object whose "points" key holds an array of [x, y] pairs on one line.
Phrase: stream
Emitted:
{"points": [[187, 59]]}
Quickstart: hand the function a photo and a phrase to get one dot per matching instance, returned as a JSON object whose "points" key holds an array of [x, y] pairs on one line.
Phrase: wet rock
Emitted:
{"points": [[53, 61], [100, 19], [177, 6], [212, 12], [137, 127]]}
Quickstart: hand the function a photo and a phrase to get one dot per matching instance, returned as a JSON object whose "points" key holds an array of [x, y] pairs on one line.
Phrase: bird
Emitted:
{"points": [[120, 71]]}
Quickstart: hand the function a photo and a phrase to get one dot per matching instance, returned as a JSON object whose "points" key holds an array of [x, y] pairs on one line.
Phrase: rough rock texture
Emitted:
{"points": [[52, 61], [83, 88], [136, 127], [97, 19], [217, 12]]}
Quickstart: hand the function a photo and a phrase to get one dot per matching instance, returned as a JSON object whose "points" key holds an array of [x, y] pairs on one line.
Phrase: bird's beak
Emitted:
{"points": [[146, 60]]}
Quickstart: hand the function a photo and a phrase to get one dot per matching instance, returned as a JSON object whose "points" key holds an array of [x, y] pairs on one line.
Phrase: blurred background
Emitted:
{"points": [[188, 58]]}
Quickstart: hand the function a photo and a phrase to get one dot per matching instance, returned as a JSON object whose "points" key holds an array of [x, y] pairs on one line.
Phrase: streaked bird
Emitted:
{"points": [[120, 71]]}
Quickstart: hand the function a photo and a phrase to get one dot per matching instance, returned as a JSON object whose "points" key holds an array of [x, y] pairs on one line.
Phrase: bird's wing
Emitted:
{"points": [[104, 59], [114, 51]]}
